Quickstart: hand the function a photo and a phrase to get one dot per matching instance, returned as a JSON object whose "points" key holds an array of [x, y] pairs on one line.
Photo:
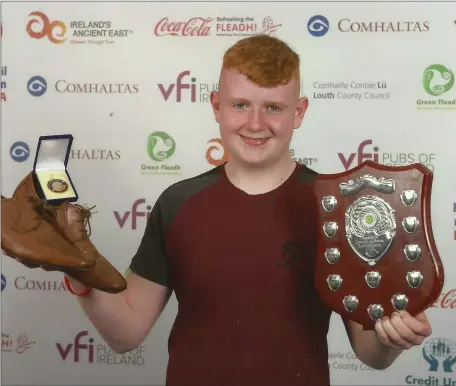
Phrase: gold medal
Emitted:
{"points": [[57, 186]]}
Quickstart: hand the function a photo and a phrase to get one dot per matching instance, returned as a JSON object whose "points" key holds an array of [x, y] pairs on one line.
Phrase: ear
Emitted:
{"points": [[301, 109], [215, 102]]}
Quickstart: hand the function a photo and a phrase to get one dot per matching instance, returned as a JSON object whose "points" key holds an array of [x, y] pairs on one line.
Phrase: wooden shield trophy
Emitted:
{"points": [[376, 250]]}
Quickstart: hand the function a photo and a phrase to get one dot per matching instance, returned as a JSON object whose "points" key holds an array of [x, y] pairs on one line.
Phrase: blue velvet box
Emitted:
{"points": [[52, 179]]}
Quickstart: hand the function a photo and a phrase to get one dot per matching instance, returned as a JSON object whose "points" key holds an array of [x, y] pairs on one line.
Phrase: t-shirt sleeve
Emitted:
{"points": [[150, 260]]}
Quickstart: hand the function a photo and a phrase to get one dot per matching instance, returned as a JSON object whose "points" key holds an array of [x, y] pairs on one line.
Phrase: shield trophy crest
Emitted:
{"points": [[376, 249]]}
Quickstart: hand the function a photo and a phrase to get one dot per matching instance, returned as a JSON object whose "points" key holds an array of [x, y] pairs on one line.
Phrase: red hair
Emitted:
{"points": [[266, 61]]}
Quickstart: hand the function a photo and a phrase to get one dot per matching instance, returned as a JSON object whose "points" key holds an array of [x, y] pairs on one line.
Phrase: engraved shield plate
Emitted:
{"points": [[370, 225], [374, 235]]}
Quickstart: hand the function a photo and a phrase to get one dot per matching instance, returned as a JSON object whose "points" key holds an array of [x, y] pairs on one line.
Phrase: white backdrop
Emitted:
{"points": [[114, 81]]}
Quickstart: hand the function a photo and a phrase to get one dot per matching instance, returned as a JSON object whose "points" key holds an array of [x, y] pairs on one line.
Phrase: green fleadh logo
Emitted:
{"points": [[160, 146], [439, 71]]}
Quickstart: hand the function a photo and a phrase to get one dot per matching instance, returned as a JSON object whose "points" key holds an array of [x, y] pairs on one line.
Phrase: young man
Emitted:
{"points": [[237, 246]]}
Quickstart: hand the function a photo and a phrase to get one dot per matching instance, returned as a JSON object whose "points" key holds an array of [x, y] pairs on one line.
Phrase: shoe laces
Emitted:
{"points": [[85, 215], [48, 213]]}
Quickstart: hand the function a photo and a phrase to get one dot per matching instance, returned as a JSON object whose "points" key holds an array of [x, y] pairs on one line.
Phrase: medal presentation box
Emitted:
{"points": [[52, 179]]}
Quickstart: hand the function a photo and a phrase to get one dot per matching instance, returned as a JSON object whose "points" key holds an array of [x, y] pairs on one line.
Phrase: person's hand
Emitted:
{"points": [[402, 330]]}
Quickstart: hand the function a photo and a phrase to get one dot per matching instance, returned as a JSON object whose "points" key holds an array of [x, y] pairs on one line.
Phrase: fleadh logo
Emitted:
{"points": [[318, 25], [160, 146], [437, 79]]}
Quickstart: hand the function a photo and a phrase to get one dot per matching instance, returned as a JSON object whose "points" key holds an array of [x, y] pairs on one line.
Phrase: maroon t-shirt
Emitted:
{"points": [[241, 267]]}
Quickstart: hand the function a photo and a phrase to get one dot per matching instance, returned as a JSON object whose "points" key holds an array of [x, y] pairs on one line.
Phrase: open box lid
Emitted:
{"points": [[53, 152]]}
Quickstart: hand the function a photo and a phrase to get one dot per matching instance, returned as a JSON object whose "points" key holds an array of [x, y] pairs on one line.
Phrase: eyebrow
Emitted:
{"points": [[243, 100]]}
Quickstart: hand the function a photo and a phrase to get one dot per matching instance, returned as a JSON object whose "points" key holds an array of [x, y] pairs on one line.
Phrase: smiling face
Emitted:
{"points": [[257, 105]]}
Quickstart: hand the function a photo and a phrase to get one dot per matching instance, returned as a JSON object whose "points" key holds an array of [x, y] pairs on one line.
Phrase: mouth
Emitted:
{"points": [[254, 141]]}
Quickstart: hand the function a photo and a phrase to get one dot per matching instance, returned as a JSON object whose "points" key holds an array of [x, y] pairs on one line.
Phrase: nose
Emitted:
{"points": [[255, 120]]}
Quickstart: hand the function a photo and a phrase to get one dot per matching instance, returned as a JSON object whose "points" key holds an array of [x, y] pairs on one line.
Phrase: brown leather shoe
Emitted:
{"points": [[72, 220], [26, 188], [28, 237]]}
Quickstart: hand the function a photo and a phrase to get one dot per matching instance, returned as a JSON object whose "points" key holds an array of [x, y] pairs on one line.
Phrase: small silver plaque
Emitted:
{"points": [[399, 302], [334, 282], [330, 229], [412, 252], [332, 255], [329, 203], [375, 311], [410, 224], [350, 303], [408, 197], [373, 279], [414, 279], [381, 185]]}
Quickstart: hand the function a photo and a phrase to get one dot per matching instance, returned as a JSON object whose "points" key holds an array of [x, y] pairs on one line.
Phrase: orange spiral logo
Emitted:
{"points": [[46, 28], [217, 147]]}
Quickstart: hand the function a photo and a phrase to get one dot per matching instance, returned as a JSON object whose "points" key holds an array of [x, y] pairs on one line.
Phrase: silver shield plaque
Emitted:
{"points": [[370, 226]]}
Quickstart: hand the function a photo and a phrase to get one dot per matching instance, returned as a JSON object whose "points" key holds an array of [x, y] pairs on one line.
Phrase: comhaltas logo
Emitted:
{"points": [[318, 25], [160, 147], [39, 26], [23, 283], [437, 81], [3, 282], [95, 154], [19, 151], [38, 86], [3, 83], [347, 25]]}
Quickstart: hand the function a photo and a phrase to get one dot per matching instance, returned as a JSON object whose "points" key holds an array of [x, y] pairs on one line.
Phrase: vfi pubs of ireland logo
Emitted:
{"points": [[438, 82], [160, 148]]}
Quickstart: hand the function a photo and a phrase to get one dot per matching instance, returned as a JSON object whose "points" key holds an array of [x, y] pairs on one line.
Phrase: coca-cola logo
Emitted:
{"points": [[446, 300], [196, 26]]}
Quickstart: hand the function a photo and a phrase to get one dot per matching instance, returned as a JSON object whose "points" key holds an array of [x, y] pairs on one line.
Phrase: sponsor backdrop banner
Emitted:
{"points": [[131, 82]]}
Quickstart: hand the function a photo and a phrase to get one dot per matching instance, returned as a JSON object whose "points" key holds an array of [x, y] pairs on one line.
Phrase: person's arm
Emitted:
{"points": [[125, 319], [380, 348]]}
